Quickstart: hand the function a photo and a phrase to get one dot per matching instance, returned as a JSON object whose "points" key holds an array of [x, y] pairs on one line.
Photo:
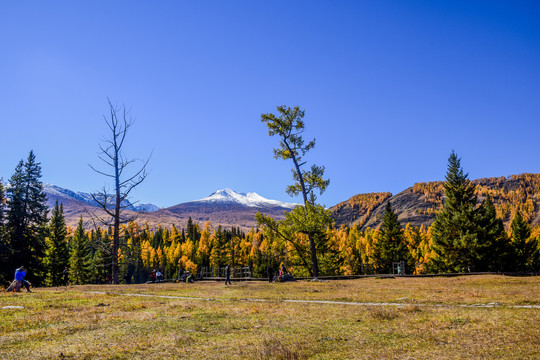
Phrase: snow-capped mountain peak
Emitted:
{"points": [[247, 199], [58, 192]]}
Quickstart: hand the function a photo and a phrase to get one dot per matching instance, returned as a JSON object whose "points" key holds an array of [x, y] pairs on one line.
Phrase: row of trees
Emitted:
{"points": [[466, 235]]}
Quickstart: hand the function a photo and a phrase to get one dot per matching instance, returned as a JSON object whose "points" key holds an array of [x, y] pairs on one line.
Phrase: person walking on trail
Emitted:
{"points": [[270, 273], [65, 276], [227, 274]]}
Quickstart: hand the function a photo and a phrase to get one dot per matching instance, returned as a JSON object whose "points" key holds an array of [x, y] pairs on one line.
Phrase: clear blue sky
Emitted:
{"points": [[389, 89]]}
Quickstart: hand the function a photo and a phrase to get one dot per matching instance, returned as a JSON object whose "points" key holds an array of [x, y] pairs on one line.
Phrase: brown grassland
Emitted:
{"points": [[233, 322]]}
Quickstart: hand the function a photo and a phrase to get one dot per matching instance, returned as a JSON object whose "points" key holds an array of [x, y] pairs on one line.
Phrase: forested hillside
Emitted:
{"points": [[419, 204]]}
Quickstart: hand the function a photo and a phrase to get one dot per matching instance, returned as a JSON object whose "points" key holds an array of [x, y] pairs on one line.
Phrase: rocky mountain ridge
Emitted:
{"points": [[420, 203]]}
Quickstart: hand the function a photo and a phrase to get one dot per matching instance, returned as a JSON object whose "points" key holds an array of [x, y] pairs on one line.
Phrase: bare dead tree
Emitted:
{"points": [[113, 203]]}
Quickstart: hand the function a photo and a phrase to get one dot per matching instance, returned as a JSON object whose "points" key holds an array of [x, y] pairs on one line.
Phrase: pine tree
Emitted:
{"points": [[525, 253], [27, 219], [4, 247], [493, 248], [390, 246], [454, 231], [80, 261], [2, 204], [57, 257], [101, 260]]}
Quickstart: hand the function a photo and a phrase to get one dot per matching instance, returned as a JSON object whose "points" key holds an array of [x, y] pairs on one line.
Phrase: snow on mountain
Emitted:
{"points": [[57, 191], [145, 207], [250, 199], [225, 196]]}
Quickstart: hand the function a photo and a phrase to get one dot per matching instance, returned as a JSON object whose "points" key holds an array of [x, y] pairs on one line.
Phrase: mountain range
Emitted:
{"points": [[417, 205], [224, 207]]}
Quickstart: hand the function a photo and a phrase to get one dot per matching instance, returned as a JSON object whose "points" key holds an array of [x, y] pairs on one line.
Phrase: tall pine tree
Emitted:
{"points": [[101, 260], [390, 245], [4, 248], [525, 254], [80, 261], [57, 258], [2, 205], [27, 219], [493, 250], [454, 231]]}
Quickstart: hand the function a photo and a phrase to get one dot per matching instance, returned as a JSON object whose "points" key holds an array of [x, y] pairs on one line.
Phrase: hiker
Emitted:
{"points": [[283, 270], [270, 273], [158, 275], [19, 281], [180, 274], [65, 276], [161, 274], [153, 275], [227, 275]]}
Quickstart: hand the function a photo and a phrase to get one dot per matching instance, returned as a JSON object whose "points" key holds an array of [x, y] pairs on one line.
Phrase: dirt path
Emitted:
{"points": [[328, 302]]}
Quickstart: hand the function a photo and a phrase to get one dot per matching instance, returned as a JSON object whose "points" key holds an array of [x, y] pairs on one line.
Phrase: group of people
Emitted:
{"points": [[281, 276], [156, 276], [185, 276]]}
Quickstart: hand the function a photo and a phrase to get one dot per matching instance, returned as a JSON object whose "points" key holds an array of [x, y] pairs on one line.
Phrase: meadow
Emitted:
{"points": [[483, 317]]}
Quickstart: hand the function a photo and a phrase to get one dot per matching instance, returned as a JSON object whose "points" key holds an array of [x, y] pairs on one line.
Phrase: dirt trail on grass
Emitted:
{"points": [[328, 302]]}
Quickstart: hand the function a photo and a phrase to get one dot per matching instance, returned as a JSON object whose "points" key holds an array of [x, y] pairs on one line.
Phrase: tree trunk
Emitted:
{"points": [[116, 236], [312, 248], [314, 261]]}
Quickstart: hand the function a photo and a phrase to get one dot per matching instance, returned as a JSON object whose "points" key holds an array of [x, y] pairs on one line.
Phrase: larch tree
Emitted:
{"points": [[311, 218], [111, 154]]}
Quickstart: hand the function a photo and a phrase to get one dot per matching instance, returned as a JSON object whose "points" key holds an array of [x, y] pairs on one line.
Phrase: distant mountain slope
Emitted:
{"points": [[227, 207], [56, 192], [419, 204], [224, 207]]}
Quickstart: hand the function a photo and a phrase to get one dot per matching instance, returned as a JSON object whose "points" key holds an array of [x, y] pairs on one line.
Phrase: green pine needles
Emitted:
{"points": [[467, 236]]}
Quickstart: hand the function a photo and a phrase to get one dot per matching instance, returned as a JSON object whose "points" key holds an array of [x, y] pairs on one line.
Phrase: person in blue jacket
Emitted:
{"points": [[20, 273]]}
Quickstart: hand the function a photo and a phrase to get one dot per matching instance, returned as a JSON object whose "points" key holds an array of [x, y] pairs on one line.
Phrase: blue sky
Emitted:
{"points": [[390, 88]]}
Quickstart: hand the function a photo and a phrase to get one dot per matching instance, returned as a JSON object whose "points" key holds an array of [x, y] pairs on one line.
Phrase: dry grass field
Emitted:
{"points": [[438, 318]]}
